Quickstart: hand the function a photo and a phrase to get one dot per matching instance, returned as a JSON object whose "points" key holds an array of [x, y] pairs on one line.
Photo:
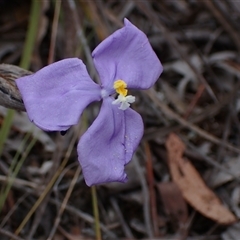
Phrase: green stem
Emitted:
{"points": [[24, 63], [96, 213], [31, 34], [5, 129]]}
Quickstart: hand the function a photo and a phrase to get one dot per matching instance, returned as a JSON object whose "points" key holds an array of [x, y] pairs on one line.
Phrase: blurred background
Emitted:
{"points": [[184, 178]]}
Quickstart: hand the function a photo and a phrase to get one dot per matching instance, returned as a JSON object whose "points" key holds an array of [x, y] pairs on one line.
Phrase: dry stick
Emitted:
{"points": [[145, 8], [226, 132], [165, 131], [146, 210], [99, 26], [41, 210], [201, 87], [127, 8], [19, 182], [172, 115], [111, 16], [61, 176], [212, 39], [54, 31], [9, 234], [85, 217], [126, 229], [209, 111], [64, 203], [72, 210], [82, 37], [194, 101], [227, 27], [209, 160], [49, 186], [69, 28], [10, 213], [39, 213], [152, 194]]}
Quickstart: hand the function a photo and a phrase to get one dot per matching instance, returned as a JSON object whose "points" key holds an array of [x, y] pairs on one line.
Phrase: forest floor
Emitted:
{"points": [[183, 180]]}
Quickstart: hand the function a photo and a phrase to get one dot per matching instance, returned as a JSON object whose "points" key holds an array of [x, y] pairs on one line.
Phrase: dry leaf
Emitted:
{"points": [[177, 210], [193, 188]]}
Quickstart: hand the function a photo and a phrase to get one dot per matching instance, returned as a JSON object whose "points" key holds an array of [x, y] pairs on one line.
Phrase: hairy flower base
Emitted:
{"points": [[124, 101]]}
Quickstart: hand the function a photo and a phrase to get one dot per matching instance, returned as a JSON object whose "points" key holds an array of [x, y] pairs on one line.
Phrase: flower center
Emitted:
{"points": [[121, 88]]}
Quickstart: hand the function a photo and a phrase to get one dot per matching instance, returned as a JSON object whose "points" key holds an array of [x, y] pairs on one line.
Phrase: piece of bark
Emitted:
{"points": [[10, 96]]}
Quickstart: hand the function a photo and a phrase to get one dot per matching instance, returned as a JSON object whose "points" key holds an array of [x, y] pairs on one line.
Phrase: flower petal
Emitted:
{"points": [[109, 143], [56, 95], [127, 55]]}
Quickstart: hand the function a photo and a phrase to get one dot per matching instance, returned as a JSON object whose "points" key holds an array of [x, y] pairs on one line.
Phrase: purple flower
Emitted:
{"points": [[56, 96]]}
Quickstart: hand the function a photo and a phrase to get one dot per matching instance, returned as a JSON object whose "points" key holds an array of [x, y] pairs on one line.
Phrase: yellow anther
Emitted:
{"points": [[120, 87]]}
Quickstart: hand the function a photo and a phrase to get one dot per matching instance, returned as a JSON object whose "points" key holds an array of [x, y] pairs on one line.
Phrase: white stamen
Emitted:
{"points": [[124, 101]]}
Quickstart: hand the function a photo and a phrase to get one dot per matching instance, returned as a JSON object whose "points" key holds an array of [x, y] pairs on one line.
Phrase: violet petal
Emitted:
{"points": [[56, 95], [109, 143], [127, 55]]}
